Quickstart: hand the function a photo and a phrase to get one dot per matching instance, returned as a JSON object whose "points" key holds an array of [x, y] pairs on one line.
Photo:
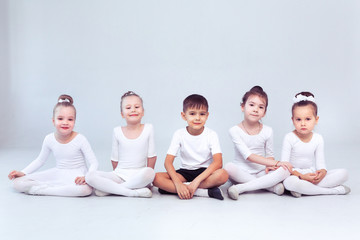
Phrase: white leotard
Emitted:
{"points": [[308, 158], [305, 157], [245, 145], [131, 172], [133, 153], [71, 162], [72, 155], [247, 175]]}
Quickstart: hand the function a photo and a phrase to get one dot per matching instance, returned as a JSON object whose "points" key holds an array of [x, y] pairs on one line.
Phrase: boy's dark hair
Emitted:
{"points": [[195, 101]]}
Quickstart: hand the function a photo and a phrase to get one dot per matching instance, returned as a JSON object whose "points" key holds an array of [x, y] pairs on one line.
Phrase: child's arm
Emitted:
{"points": [[248, 155], [89, 155], [36, 164], [41, 159], [114, 164], [269, 162], [151, 162], [215, 165], [90, 159], [320, 161], [181, 189]]}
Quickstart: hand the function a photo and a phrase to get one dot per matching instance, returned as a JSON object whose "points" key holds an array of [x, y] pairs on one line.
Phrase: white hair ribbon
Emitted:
{"points": [[63, 100], [301, 97]]}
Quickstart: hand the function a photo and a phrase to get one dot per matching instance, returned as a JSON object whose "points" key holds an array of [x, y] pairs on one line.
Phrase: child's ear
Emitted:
{"points": [[53, 121], [242, 107], [183, 116], [317, 119], [122, 115]]}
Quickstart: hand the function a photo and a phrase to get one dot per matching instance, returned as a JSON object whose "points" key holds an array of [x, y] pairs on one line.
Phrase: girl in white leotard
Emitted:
{"points": [[133, 155], [72, 153], [253, 144], [304, 149]]}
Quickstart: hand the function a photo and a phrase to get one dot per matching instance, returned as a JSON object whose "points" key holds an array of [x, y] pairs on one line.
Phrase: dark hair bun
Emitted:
{"points": [[307, 94], [66, 98], [256, 89]]}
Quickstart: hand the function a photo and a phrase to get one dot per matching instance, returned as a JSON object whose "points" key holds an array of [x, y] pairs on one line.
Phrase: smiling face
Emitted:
{"points": [[304, 120], [64, 120], [254, 108], [132, 109], [196, 119]]}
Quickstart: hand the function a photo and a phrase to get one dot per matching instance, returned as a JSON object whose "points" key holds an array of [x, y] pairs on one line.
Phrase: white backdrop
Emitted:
{"points": [[166, 50]]}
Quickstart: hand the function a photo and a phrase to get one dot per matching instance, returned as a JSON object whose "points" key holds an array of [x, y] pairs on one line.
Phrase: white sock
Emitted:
{"points": [[201, 192], [101, 193], [278, 189], [240, 188], [142, 192]]}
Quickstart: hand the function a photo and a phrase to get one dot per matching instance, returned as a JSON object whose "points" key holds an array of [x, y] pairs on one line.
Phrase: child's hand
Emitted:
{"points": [[80, 180], [320, 174], [183, 191], [272, 168], [310, 177], [15, 174], [192, 187], [286, 166]]}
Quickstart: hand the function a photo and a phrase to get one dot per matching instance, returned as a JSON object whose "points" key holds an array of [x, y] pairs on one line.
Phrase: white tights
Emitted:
{"points": [[109, 182], [251, 182], [53, 182], [329, 185]]}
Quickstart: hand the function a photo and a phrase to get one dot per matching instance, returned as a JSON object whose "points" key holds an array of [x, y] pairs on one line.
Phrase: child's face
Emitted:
{"points": [[64, 120], [132, 109], [254, 109], [196, 119], [304, 119]]}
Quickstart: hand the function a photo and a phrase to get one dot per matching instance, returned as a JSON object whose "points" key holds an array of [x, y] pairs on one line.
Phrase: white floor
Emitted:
{"points": [[257, 215]]}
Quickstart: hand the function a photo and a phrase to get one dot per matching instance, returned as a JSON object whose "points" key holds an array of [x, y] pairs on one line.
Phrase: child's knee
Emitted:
{"points": [[86, 190], [344, 175], [89, 177], [19, 184], [149, 174], [229, 167], [283, 172], [160, 178], [290, 182], [222, 176]]}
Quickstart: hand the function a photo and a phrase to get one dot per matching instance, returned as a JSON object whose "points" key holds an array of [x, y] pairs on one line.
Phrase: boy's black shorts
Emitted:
{"points": [[190, 175]]}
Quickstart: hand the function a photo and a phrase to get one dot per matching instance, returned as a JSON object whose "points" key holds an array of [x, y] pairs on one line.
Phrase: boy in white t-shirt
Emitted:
{"points": [[201, 170]]}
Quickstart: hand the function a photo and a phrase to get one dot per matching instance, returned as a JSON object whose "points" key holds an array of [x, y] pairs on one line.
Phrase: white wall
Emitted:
{"points": [[166, 50]]}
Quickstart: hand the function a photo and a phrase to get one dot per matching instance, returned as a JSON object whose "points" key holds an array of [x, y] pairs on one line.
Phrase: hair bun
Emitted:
{"points": [[256, 89], [65, 98], [306, 94]]}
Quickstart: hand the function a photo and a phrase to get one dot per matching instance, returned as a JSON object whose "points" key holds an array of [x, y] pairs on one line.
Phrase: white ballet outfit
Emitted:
{"points": [[131, 171], [250, 175], [194, 151], [308, 158], [71, 162]]}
